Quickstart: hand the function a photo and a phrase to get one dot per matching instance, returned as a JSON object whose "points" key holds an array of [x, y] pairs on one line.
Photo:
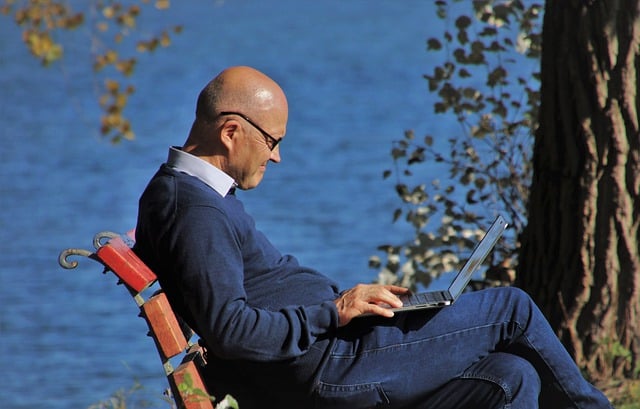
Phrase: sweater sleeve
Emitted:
{"points": [[208, 253]]}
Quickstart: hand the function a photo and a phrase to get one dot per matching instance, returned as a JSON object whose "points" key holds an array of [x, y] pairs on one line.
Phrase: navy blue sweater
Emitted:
{"points": [[231, 285]]}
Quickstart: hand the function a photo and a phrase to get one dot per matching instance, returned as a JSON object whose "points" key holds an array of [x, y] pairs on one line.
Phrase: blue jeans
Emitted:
{"points": [[491, 349]]}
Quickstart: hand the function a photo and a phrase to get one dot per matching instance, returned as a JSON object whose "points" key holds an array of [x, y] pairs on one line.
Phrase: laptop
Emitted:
{"points": [[442, 298]]}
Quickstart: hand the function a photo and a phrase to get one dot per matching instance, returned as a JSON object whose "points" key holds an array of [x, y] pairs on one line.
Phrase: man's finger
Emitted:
{"points": [[378, 310]]}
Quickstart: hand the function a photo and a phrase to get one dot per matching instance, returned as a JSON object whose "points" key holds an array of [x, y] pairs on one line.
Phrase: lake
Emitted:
{"points": [[352, 71]]}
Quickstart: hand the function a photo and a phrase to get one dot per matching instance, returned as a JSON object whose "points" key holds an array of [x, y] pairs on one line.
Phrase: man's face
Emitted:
{"points": [[252, 150]]}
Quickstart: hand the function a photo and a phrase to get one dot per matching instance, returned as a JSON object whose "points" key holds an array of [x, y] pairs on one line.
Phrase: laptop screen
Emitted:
{"points": [[477, 256]]}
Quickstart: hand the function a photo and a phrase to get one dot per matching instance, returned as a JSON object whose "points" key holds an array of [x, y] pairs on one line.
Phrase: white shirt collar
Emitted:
{"points": [[203, 170]]}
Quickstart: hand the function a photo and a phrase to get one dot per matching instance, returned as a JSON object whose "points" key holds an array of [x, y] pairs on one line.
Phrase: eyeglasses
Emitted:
{"points": [[269, 140]]}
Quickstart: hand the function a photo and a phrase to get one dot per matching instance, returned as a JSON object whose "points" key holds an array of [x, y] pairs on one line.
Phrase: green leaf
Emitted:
{"points": [[433, 44], [428, 140], [463, 73], [463, 22]]}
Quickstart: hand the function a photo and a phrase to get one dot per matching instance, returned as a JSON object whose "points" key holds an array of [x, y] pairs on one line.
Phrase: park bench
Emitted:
{"points": [[171, 335]]}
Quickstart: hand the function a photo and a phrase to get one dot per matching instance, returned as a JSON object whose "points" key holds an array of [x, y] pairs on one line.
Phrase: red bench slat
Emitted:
{"points": [[164, 326], [192, 397], [126, 265]]}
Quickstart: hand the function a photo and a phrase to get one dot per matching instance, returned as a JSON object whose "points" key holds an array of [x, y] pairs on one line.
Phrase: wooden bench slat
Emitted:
{"points": [[126, 265], [164, 326], [194, 395]]}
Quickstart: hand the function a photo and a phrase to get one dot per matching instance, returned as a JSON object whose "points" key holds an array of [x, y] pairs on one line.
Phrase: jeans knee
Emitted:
{"points": [[522, 375], [516, 295], [515, 376], [522, 307]]}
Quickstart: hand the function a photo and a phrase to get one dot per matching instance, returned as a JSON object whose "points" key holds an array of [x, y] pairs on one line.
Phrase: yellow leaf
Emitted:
{"points": [[108, 12], [74, 21], [152, 44], [5, 9], [111, 86], [121, 101], [20, 17], [54, 53], [127, 20], [103, 100], [165, 41], [111, 57], [111, 120], [162, 4], [128, 134], [126, 67]]}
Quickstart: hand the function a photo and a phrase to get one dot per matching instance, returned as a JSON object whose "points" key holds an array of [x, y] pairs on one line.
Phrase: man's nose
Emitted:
{"points": [[275, 155]]}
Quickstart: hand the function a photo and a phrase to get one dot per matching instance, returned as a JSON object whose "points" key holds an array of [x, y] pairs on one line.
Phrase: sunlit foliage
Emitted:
{"points": [[488, 160], [115, 45]]}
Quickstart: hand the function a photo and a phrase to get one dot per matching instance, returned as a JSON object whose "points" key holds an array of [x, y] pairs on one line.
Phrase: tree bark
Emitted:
{"points": [[580, 250]]}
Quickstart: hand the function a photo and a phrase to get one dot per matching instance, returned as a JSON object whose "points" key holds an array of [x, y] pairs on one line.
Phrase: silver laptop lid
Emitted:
{"points": [[477, 256]]}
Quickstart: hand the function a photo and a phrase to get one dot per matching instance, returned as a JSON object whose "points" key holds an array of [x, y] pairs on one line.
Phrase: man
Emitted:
{"points": [[282, 335]]}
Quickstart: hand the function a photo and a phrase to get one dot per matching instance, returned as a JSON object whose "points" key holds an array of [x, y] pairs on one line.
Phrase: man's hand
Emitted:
{"points": [[368, 299]]}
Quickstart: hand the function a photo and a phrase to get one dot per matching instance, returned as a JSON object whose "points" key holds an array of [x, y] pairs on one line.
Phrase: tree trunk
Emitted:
{"points": [[580, 251]]}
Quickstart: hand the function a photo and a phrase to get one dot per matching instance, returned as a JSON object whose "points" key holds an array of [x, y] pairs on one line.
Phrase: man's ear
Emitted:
{"points": [[229, 133]]}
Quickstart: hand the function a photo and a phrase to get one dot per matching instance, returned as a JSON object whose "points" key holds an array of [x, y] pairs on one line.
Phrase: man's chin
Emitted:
{"points": [[250, 184]]}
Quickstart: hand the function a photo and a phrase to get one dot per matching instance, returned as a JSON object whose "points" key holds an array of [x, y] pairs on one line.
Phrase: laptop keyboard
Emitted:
{"points": [[431, 297]]}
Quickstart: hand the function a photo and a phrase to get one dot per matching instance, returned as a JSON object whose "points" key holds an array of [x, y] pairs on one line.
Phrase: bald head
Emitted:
{"points": [[240, 89], [239, 114], [236, 89]]}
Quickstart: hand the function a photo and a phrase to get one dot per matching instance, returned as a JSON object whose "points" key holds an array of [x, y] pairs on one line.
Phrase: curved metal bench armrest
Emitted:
{"points": [[66, 253], [99, 240]]}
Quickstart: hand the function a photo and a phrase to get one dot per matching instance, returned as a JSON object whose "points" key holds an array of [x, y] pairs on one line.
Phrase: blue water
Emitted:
{"points": [[353, 73]]}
